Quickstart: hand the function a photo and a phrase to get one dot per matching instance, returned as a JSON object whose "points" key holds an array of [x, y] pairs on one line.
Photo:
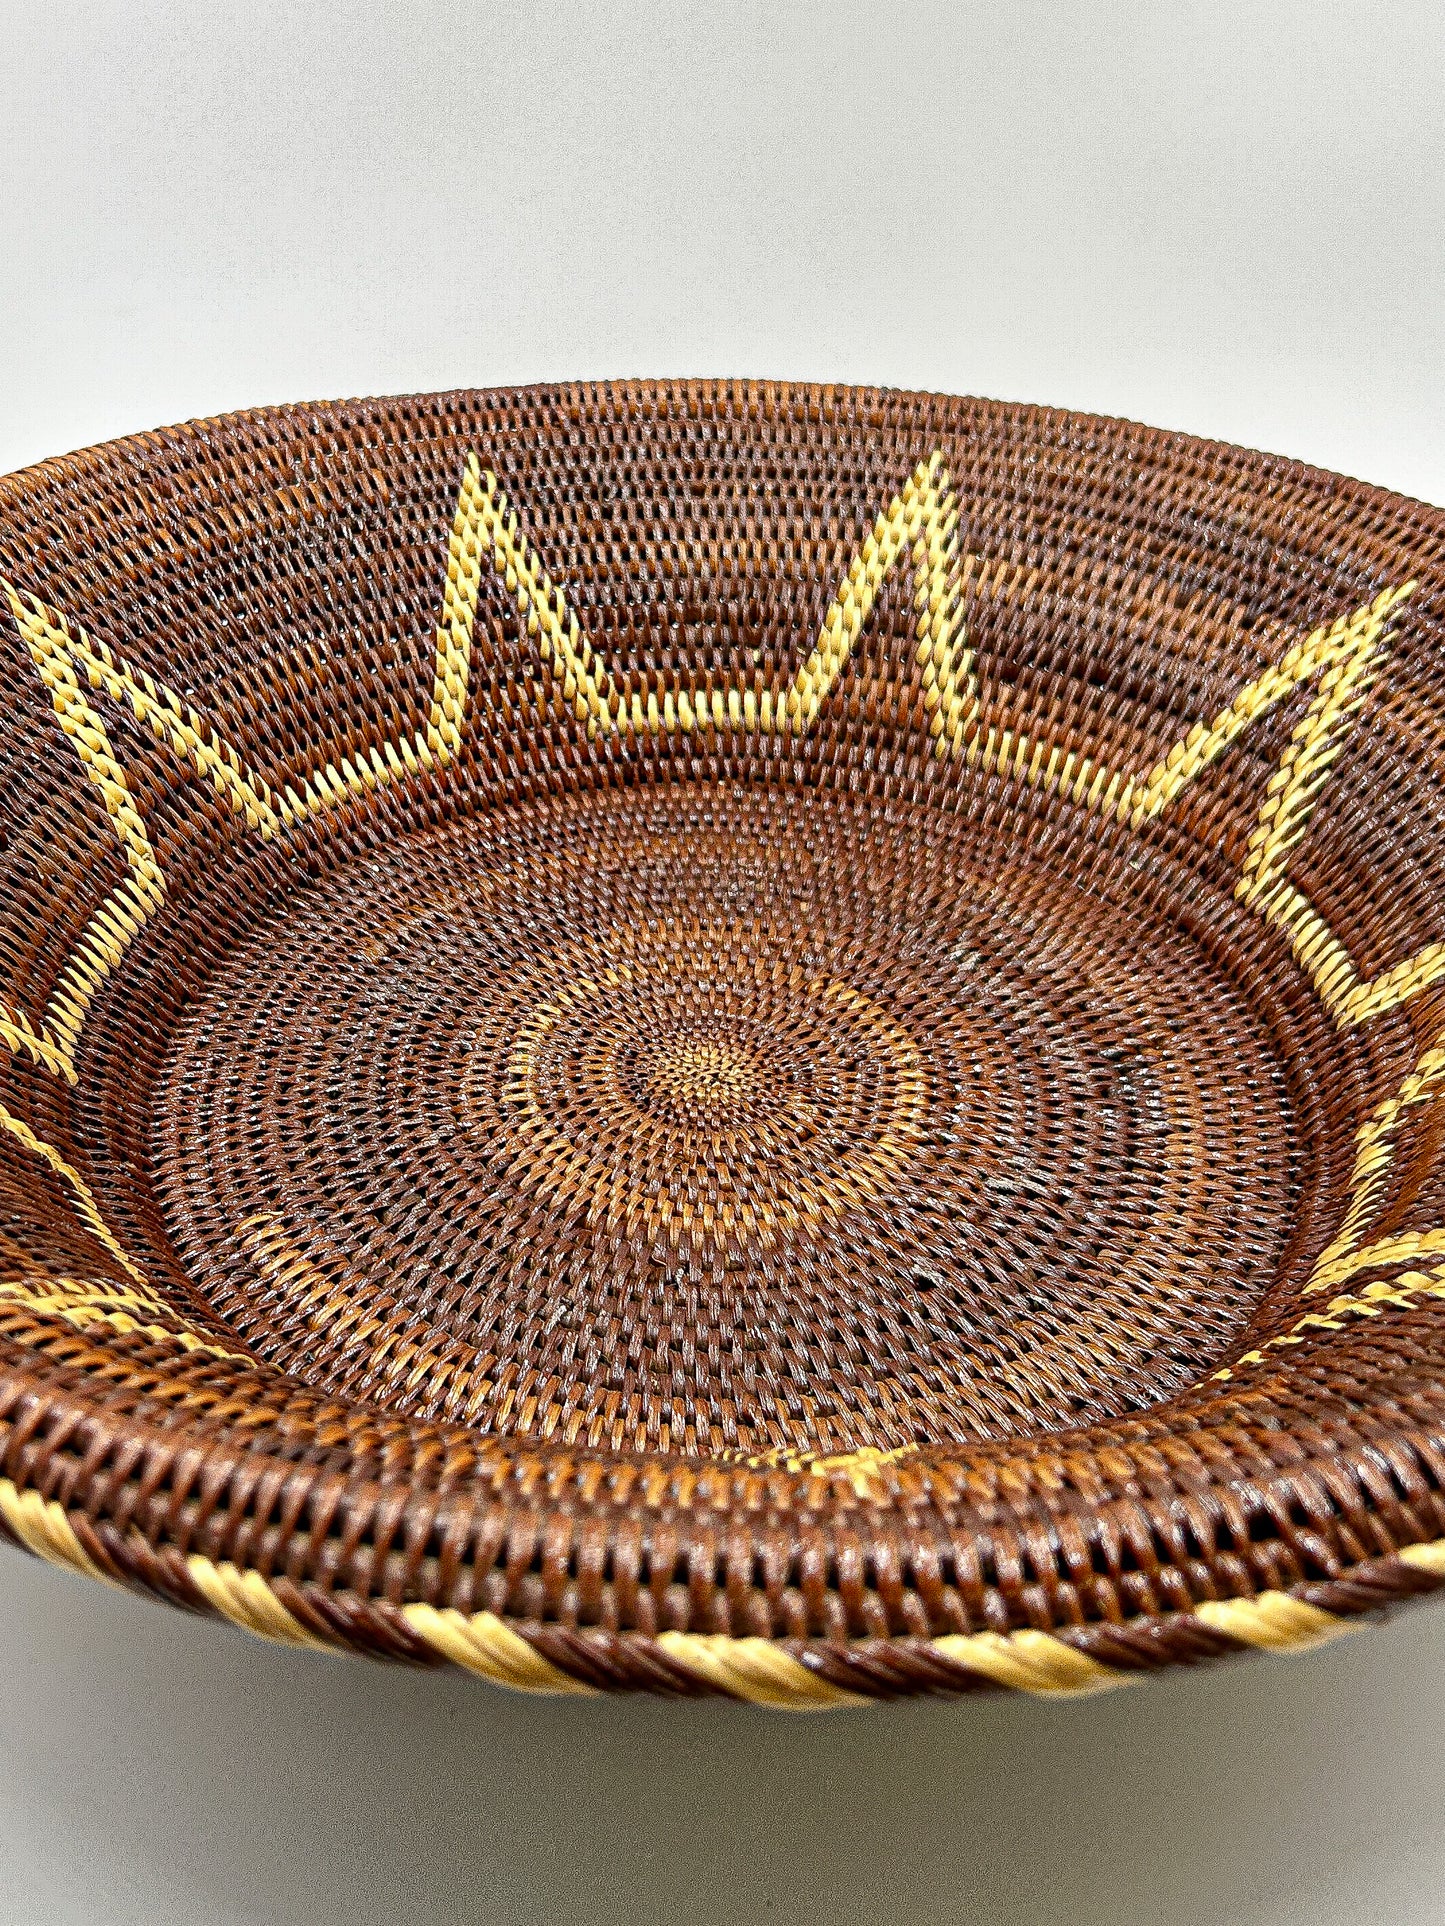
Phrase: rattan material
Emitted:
{"points": [[724, 1038]]}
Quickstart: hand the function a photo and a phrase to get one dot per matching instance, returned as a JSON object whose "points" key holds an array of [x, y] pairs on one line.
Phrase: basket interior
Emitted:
{"points": [[743, 923]]}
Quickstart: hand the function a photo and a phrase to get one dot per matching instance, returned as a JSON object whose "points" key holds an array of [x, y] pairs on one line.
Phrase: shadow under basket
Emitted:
{"points": [[724, 1038]]}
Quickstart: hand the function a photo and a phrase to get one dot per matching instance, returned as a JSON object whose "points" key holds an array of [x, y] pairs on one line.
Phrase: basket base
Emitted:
{"points": [[740, 1121]]}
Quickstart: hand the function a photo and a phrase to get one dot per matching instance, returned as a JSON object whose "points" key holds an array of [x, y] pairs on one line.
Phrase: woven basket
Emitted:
{"points": [[721, 1038]]}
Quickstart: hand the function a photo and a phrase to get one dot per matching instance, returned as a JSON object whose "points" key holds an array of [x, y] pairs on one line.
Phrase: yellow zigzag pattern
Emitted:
{"points": [[1375, 1146], [69, 663], [1347, 1255], [922, 523], [87, 1301], [918, 527], [85, 1204]]}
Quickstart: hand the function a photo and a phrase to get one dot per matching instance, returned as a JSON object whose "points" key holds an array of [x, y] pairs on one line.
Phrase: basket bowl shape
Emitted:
{"points": [[724, 1038]]}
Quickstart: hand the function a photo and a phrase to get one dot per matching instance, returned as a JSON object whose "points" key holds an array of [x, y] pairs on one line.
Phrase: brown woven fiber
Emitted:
{"points": [[724, 1038]]}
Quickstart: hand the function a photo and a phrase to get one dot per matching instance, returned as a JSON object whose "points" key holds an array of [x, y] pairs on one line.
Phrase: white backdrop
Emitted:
{"points": [[1225, 217]]}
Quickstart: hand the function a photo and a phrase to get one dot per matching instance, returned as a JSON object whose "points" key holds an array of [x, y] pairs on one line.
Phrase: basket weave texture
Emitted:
{"points": [[718, 1037]]}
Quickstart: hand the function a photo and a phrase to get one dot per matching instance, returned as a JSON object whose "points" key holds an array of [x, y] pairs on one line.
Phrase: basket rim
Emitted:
{"points": [[75, 462]]}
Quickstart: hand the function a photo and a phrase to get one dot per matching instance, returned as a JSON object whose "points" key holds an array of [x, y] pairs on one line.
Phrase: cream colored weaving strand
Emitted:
{"points": [[754, 1669], [43, 1528], [248, 1601], [487, 1645]]}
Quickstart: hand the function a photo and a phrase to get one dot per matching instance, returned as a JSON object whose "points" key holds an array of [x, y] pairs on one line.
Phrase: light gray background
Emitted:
{"points": [[1228, 218]]}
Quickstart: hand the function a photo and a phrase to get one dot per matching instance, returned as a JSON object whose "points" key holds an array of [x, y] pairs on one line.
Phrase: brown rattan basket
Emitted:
{"points": [[724, 1038]]}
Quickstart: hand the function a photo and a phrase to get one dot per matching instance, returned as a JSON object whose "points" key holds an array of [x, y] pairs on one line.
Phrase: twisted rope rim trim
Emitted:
{"points": [[758, 1671]]}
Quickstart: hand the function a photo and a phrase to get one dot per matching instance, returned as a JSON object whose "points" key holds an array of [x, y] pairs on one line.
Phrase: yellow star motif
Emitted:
{"points": [[918, 528]]}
